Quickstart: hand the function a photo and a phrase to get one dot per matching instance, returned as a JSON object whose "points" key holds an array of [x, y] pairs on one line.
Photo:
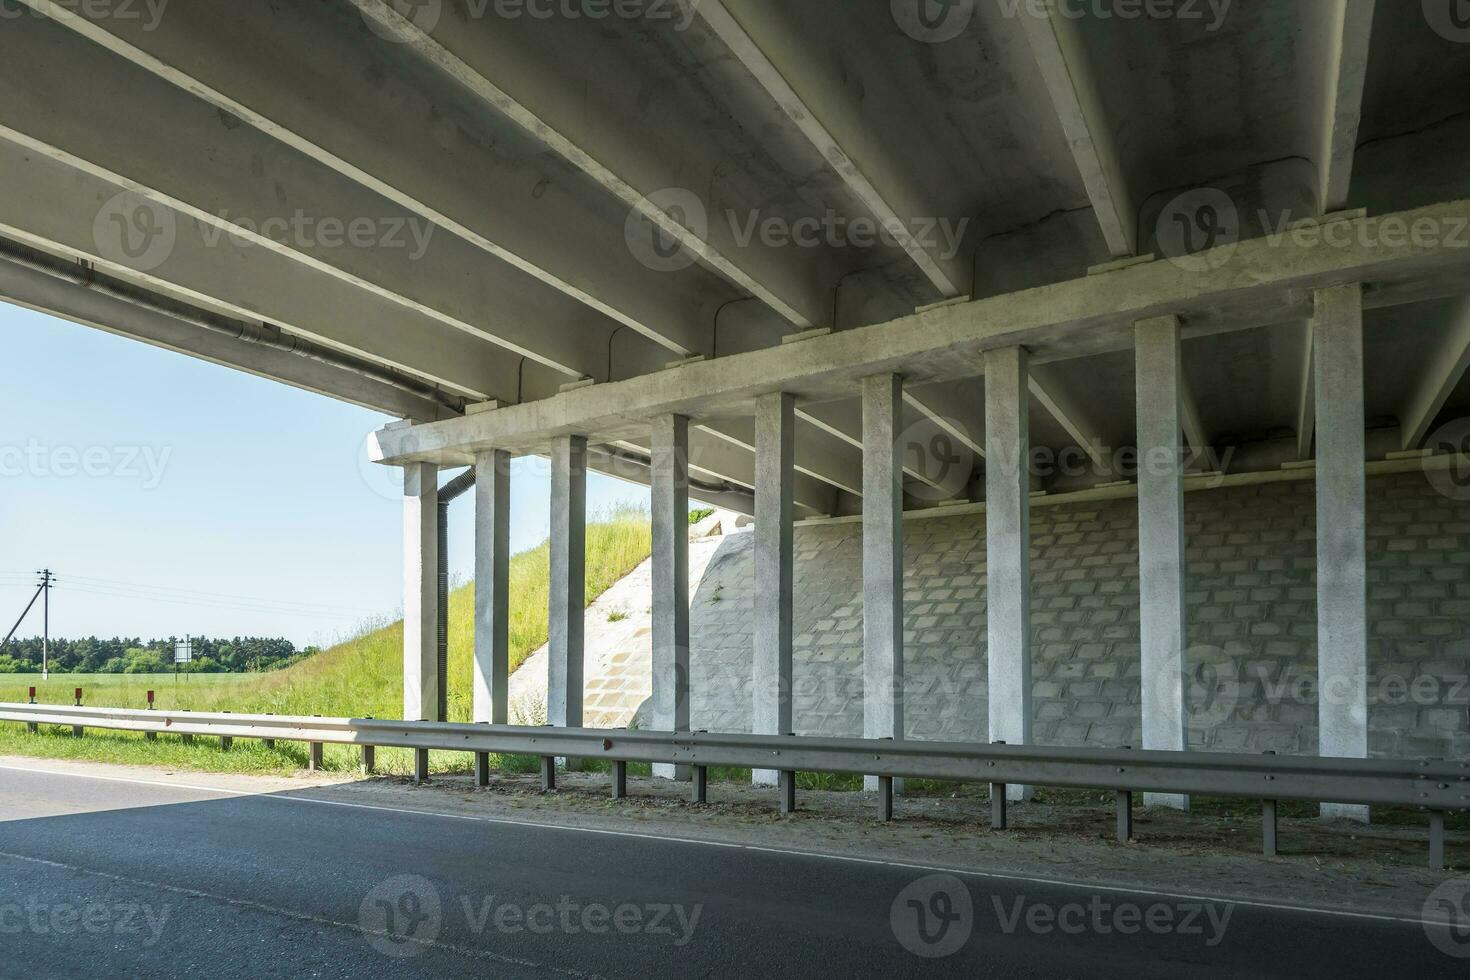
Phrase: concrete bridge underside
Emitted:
{"points": [[816, 260]]}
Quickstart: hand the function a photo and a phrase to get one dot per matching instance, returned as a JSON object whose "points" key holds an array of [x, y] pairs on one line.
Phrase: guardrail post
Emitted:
{"points": [[421, 765], [76, 730], [619, 779], [31, 727], [998, 801], [314, 756], [885, 798], [1268, 828], [369, 759], [269, 743], [1125, 816], [225, 741], [150, 736], [1436, 840], [700, 790], [548, 773], [482, 769], [788, 792]]}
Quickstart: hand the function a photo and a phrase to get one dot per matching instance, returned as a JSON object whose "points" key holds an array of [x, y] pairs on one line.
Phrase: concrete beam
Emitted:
{"points": [[1443, 372], [670, 563], [775, 430], [1347, 27], [246, 189], [1057, 44], [835, 419], [505, 74], [883, 673], [821, 107], [492, 588], [1072, 319], [420, 592], [715, 455], [568, 582], [1342, 549], [1062, 406], [1008, 548], [1161, 569], [52, 205], [1190, 418], [257, 61], [38, 291], [819, 454], [1306, 415]]}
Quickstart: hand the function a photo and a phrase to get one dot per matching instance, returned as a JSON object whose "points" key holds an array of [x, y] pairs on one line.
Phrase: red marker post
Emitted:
{"points": [[76, 730], [31, 727], [150, 736]]}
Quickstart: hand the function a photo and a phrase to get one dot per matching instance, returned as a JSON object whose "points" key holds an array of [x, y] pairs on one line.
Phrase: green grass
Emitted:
{"points": [[360, 677]]}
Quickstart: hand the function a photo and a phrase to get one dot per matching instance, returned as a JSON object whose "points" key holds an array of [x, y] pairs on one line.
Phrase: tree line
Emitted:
{"points": [[131, 655]]}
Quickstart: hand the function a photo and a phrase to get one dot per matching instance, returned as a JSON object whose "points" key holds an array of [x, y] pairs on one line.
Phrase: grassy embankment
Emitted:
{"points": [[358, 677]]}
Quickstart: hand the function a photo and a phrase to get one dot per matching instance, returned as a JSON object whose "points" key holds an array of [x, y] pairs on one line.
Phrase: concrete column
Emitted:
{"points": [[670, 486], [420, 591], [568, 580], [1342, 553], [1161, 541], [1008, 548], [492, 587], [775, 425], [882, 562]]}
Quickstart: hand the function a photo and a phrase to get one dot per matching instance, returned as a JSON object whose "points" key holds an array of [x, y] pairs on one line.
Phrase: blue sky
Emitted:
{"points": [[170, 495]]}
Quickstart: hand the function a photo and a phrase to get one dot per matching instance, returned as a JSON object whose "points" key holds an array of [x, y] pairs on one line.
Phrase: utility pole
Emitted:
{"points": [[45, 585]]}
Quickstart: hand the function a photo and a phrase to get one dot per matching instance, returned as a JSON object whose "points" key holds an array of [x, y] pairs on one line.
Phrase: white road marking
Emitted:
{"points": [[784, 851]]}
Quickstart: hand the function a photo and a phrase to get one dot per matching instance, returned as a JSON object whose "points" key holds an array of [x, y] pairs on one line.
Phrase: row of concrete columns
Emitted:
{"points": [[1341, 561]]}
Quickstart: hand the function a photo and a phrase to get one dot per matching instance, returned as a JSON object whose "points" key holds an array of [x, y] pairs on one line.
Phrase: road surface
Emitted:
{"points": [[125, 876]]}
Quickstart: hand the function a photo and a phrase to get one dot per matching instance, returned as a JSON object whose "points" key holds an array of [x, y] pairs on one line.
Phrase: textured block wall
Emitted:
{"points": [[1251, 626]]}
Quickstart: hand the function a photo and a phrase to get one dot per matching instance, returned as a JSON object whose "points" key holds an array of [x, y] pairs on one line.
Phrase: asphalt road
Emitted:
{"points": [[108, 878]]}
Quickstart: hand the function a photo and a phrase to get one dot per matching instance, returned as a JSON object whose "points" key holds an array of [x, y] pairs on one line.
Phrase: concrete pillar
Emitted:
{"points": [[420, 591], [775, 425], [1161, 541], [882, 563], [568, 580], [1008, 548], [670, 497], [1342, 552], [492, 587]]}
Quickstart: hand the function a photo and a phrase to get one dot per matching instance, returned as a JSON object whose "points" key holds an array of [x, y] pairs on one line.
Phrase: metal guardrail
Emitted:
{"points": [[1434, 785]]}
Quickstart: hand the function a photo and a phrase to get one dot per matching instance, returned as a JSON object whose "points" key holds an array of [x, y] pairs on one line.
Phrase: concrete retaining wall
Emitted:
{"points": [[1251, 627]]}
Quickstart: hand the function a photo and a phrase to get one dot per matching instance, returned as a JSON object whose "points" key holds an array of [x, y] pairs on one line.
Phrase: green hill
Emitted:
{"points": [[358, 677]]}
